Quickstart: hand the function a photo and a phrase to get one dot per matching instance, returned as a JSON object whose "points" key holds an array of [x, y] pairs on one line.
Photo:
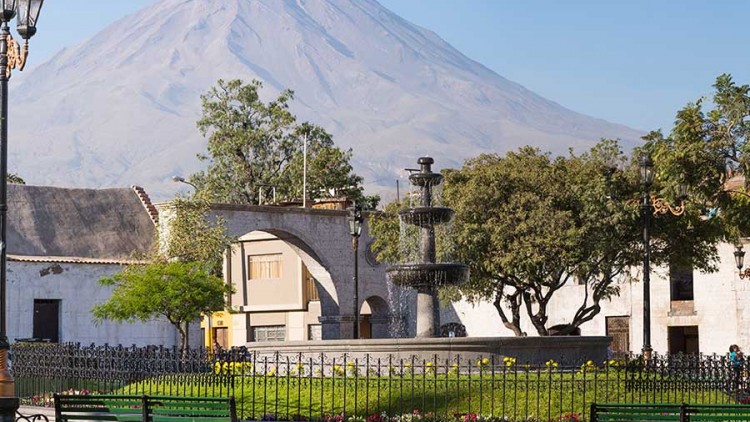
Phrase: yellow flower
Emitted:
{"points": [[485, 361], [429, 364]]}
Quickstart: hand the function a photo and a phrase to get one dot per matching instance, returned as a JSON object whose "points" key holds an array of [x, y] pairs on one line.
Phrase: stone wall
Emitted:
{"points": [[75, 286]]}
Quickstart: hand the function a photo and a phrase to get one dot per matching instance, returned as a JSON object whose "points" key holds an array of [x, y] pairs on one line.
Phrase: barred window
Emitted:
{"points": [[264, 267], [269, 333], [315, 332], [681, 281]]}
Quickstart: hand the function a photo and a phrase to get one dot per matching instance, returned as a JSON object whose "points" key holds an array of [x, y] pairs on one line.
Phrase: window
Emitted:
{"points": [[680, 282], [264, 267], [683, 339], [269, 333], [311, 290], [315, 332]]}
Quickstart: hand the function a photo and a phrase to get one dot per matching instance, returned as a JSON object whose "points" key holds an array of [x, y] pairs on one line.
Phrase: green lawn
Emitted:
{"points": [[517, 394]]}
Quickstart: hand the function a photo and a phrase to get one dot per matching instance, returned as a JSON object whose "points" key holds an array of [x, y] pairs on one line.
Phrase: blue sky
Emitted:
{"points": [[628, 61]]}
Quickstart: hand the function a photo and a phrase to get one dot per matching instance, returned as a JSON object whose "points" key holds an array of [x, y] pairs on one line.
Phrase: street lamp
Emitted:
{"points": [[739, 259], [647, 179], [659, 206], [180, 179], [11, 57], [355, 229]]}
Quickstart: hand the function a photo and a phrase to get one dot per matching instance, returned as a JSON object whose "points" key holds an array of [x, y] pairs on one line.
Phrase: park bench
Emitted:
{"points": [[629, 412], [623, 412], [144, 408], [717, 412]]}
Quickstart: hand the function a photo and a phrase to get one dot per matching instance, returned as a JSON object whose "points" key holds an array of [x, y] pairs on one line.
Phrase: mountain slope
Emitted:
{"points": [[120, 109]]}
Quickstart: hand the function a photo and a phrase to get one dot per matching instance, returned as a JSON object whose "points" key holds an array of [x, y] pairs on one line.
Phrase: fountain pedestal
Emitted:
{"points": [[428, 312]]}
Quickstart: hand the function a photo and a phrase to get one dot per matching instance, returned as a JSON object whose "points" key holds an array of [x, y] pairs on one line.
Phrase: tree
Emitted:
{"points": [[178, 291], [193, 236], [528, 225], [709, 151], [255, 146], [182, 277]]}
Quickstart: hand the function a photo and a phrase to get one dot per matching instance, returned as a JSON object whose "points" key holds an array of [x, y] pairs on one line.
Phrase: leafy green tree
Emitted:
{"points": [[193, 236], [709, 151], [255, 146], [528, 224], [176, 290], [182, 277]]}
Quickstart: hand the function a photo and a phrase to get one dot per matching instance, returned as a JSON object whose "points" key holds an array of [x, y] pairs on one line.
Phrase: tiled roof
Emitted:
{"points": [[99, 224], [73, 260]]}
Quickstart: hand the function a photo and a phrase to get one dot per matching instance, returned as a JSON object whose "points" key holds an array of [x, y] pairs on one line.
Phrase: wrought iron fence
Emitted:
{"points": [[326, 387]]}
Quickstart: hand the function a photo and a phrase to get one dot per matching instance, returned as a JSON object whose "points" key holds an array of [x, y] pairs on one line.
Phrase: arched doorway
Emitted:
{"points": [[374, 318]]}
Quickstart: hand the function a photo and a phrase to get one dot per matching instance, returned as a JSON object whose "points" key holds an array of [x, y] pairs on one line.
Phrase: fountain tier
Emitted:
{"points": [[427, 275]]}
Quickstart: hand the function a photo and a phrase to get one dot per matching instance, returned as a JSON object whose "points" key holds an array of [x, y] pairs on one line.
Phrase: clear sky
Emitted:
{"points": [[628, 61]]}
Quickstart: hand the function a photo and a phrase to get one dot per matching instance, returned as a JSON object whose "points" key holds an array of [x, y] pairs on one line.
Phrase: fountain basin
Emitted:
{"points": [[566, 350], [425, 179], [426, 216], [427, 275]]}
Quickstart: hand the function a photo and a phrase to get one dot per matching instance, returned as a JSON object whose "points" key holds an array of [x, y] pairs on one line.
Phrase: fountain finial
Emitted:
{"points": [[426, 164]]}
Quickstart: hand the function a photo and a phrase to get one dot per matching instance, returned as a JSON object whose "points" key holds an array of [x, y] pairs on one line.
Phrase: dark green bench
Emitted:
{"points": [[145, 408], [624, 412], [627, 412], [717, 412]]}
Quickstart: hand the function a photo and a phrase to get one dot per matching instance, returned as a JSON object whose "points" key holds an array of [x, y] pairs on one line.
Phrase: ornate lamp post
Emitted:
{"points": [[739, 259], [647, 178], [355, 229], [659, 206], [11, 56]]}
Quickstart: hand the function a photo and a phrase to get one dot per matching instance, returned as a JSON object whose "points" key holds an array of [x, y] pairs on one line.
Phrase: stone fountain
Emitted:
{"points": [[428, 275]]}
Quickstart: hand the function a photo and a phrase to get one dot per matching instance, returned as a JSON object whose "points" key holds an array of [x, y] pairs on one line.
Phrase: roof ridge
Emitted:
{"points": [[146, 201], [74, 260]]}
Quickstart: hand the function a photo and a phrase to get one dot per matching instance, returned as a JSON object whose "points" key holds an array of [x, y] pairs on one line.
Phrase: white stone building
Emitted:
{"points": [[691, 311], [60, 242]]}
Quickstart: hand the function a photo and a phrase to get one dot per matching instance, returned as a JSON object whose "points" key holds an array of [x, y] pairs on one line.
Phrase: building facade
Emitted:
{"points": [[60, 243], [691, 312]]}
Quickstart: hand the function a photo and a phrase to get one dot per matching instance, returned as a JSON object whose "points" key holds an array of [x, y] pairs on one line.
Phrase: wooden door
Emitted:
{"points": [[46, 320], [221, 335], [618, 327]]}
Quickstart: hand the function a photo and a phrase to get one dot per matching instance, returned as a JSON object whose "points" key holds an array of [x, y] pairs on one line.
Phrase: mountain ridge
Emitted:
{"points": [[125, 102]]}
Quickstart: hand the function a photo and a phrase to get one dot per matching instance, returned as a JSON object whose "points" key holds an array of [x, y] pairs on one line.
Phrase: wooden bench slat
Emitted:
{"points": [[624, 412], [182, 405], [129, 408]]}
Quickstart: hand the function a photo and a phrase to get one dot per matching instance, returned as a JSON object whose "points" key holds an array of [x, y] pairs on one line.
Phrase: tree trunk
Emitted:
{"points": [[515, 324]]}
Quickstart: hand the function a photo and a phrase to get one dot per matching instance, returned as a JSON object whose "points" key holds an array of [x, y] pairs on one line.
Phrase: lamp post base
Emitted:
{"points": [[647, 354], [8, 408]]}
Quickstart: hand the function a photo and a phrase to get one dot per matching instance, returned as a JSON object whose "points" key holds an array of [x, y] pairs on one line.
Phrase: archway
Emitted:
{"points": [[375, 318], [282, 289]]}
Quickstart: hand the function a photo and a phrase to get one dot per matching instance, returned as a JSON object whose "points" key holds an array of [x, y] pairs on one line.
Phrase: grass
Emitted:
{"points": [[515, 393]]}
